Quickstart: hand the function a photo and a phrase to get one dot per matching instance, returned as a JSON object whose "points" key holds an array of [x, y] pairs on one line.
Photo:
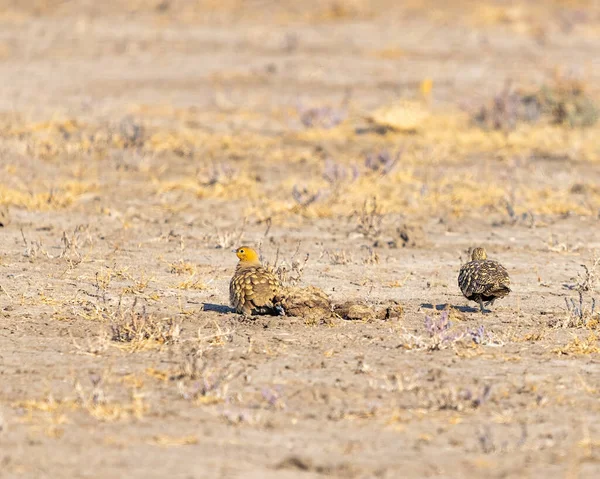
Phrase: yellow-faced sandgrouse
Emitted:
{"points": [[483, 280], [253, 288]]}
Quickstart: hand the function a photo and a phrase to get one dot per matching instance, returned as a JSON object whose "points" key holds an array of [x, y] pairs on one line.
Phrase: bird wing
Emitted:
{"points": [[467, 278], [236, 290], [260, 286], [264, 287], [495, 273], [498, 279]]}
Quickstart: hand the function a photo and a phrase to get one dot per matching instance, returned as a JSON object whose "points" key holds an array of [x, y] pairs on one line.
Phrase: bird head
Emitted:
{"points": [[478, 254], [247, 255]]}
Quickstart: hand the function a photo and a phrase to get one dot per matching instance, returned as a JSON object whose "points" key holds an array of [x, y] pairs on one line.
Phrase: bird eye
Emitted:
{"points": [[242, 251]]}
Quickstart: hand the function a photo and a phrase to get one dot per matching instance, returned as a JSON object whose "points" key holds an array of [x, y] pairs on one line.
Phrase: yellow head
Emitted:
{"points": [[478, 254], [247, 255]]}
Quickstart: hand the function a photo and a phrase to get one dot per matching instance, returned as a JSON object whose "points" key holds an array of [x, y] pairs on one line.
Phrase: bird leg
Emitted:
{"points": [[481, 305]]}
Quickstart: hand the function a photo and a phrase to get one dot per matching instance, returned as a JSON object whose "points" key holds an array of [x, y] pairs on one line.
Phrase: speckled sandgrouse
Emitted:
{"points": [[483, 280], [253, 288]]}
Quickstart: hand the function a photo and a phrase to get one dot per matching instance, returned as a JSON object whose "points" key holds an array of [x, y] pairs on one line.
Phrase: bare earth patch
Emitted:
{"points": [[362, 148]]}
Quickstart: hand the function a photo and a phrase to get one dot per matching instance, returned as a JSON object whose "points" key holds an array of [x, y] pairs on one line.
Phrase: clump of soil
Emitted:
{"points": [[311, 303], [360, 311], [355, 311], [314, 306]]}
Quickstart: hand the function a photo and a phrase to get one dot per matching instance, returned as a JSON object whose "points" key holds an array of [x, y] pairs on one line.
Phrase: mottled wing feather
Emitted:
{"points": [[468, 279], [483, 277], [236, 293], [263, 287], [253, 287]]}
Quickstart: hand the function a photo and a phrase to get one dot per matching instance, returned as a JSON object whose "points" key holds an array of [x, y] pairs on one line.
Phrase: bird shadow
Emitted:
{"points": [[217, 308], [441, 307]]}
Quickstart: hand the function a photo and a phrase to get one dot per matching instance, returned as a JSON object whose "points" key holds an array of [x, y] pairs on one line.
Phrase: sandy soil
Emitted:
{"points": [[142, 141]]}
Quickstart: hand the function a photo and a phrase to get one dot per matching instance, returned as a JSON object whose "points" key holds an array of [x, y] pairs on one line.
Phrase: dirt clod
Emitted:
{"points": [[142, 141], [355, 311], [360, 311], [310, 303]]}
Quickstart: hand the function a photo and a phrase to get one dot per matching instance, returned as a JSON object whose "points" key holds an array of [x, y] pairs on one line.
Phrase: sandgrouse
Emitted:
{"points": [[483, 280], [253, 288]]}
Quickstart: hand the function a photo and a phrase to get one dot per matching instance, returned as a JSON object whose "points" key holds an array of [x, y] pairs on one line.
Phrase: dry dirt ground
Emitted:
{"points": [[142, 140]]}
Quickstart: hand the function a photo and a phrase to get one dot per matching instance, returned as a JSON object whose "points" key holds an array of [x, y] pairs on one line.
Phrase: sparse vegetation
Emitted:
{"points": [[290, 271], [442, 334], [323, 116], [382, 162], [369, 219], [563, 101], [140, 330], [231, 238], [582, 312], [578, 346], [361, 163], [337, 257], [201, 380]]}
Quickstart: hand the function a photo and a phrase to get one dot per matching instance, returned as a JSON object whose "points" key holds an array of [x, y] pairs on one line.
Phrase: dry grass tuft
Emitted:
{"points": [[181, 267], [93, 401], [369, 219], [138, 330], [563, 101], [57, 198], [192, 284], [290, 271], [579, 347], [338, 257], [173, 441], [232, 237], [442, 334], [581, 312], [200, 379]]}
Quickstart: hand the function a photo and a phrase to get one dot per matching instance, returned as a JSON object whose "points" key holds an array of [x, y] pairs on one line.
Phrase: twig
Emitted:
{"points": [[5, 292]]}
